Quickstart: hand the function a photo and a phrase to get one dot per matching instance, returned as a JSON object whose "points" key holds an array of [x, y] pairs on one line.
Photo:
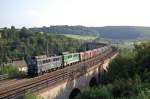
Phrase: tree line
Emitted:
{"points": [[65, 29], [23, 44]]}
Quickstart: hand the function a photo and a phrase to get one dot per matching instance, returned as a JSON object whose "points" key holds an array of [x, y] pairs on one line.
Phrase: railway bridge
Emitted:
{"points": [[64, 83]]}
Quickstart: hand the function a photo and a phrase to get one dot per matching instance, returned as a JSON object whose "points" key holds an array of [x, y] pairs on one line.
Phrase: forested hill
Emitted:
{"points": [[23, 44], [109, 32], [124, 32], [65, 29]]}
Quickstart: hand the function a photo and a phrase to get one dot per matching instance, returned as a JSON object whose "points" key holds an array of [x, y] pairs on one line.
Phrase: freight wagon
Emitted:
{"points": [[85, 55]]}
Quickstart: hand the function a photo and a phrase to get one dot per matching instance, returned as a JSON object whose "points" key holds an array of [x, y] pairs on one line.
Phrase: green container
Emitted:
{"points": [[71, 58]]}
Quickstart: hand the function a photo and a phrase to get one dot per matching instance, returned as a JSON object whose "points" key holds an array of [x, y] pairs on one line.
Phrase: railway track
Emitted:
{"points": [[19, 88]]}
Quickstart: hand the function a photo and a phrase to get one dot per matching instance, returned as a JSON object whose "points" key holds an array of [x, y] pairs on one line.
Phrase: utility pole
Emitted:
{"points": [[47, 45], [47, 48]]}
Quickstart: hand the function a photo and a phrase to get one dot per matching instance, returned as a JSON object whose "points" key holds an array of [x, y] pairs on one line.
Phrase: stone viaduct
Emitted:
{"points": [[68, 89]]}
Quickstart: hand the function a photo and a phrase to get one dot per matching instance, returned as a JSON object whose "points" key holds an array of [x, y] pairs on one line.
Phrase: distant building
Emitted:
{"points": [[21, 65]]}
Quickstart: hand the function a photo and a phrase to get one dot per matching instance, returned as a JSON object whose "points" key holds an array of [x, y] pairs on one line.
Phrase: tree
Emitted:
{"points": [[142, 55], [121, 67]]}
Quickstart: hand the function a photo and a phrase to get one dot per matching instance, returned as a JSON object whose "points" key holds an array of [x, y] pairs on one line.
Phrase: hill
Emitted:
{"points": [[124, 32], [65, 29], [107, 32]]}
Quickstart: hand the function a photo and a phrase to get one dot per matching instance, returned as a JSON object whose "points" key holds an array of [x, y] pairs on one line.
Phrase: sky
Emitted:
{"points": [[38, 13]]}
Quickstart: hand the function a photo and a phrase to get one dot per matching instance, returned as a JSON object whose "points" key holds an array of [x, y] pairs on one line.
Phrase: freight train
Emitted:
{"points": [[41, 64]]}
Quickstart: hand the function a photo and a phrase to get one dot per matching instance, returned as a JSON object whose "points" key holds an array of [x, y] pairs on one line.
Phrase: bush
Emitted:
{"points": [[29, 96], [103, 92], [121, 88], [121, 67], [12, 71]]}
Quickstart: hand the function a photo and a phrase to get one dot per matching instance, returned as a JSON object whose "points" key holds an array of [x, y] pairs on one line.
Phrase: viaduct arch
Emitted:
{"points": [[74, 93], [93, 82]]}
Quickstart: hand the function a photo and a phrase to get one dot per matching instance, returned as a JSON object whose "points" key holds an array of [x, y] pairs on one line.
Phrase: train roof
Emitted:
{"points": [[41, 57]]}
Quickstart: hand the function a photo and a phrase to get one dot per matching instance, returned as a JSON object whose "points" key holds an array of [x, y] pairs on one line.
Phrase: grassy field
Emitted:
{"points": [[127, 44], [80, 37]]}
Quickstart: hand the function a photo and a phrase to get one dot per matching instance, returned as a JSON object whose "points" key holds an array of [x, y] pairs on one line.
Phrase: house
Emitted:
{"points": [[21, 65]]}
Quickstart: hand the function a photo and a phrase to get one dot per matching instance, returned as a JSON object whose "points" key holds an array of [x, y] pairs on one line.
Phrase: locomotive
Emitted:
{"points": [[41, 64]]}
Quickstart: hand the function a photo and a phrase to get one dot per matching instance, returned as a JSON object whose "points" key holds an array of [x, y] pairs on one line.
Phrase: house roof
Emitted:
{"points": [[20, 63]]}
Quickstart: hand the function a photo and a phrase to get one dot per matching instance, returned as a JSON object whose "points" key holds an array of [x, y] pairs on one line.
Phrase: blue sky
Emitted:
{"points": [[37, 13]]}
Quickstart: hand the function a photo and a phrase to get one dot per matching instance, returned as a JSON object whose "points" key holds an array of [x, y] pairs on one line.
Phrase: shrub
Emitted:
{"points": [[122, 88], [103, 92], [12, 71], [121, 67], [29, 96]]}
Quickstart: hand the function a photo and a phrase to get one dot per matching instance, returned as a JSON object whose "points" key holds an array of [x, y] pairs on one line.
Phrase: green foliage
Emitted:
{"points": [[23, 43], [142, 55], [96, 93], [121, 67], [120, 33], [11, 71], [127, 77], [119, 89], [64, 29], [145, 76], [113, 33], [29, 96], [131, 63]]}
